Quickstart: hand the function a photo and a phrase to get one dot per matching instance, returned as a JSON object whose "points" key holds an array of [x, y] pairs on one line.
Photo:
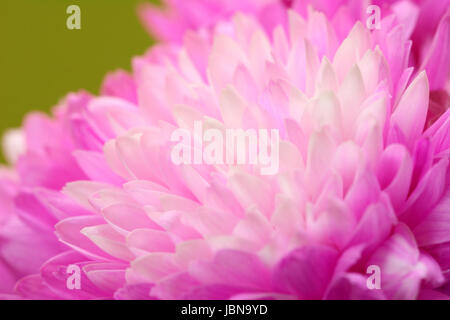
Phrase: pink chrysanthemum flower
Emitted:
{"points": [[363, 178]]}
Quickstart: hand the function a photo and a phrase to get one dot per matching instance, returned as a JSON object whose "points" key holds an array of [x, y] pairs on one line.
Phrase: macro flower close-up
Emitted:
{"points": [[259, 150]]}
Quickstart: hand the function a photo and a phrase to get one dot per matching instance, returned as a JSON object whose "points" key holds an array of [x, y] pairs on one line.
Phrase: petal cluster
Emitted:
{"points": [[363, 180]]}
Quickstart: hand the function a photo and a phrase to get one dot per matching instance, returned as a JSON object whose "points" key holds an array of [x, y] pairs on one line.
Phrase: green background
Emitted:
{"points": [[41, 60]]}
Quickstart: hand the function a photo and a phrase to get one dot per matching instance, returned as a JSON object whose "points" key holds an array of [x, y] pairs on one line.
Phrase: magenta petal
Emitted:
{"points": [[395, 172], [33, 287], [213, 292], [404, 268], [174, 287], [435, 229], [297, 272], [95, 167], [17, 252], [411, 111], [437, 61], [425, 196], [428, 294], [375, 225], [120, 84], [8, 278], [139, 291], [233, 268], [69, 232], [54, 274], [352, 286], [441, 253]]}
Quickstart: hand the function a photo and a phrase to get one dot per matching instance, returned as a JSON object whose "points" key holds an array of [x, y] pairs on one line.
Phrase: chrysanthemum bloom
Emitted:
{"points": [[363, 181], [360, 183]]}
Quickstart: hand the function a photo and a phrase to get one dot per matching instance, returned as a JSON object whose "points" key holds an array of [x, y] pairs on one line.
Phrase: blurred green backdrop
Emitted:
{"points": [[41, 60]]}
